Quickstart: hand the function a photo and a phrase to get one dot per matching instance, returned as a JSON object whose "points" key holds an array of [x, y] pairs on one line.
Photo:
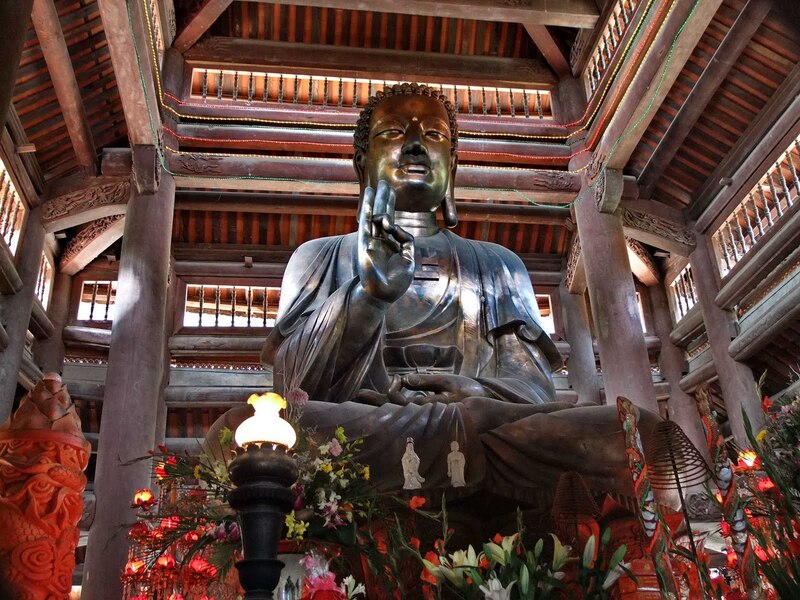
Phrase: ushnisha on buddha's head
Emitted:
{"points": [[407, 136]]}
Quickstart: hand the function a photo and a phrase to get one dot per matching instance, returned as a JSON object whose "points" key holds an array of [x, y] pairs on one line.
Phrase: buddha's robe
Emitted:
{"points": [[474, 314]]}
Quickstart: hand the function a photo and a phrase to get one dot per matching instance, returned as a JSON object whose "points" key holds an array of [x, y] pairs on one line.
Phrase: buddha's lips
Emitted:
{"points": [[421, 168]]}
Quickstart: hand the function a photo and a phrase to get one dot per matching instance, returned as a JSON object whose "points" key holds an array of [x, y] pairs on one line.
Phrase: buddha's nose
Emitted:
{"points": [[413, 144]]}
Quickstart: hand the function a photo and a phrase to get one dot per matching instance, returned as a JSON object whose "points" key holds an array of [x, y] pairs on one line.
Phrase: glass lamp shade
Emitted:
{"points": [[266, 426]]}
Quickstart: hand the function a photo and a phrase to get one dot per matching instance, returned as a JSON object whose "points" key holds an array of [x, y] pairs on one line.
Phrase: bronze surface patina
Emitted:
{"points": [[403, 329]]}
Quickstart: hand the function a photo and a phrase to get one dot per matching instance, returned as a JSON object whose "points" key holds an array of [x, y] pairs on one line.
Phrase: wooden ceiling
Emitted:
{"points": [[764, 63], [35, 98], [761, 60]]}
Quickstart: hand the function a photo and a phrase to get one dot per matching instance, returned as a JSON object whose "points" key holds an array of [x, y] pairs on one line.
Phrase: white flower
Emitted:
{"points": [[494, 590], [465, 558], [351, 589]]}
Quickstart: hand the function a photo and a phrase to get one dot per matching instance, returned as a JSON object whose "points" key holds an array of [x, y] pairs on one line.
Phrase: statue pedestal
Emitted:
{"points": [[41, 487]]}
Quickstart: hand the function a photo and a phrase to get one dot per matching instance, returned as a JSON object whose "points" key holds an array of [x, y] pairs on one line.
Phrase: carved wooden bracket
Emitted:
{"points": [[90, 199], [658, 231], [608, 190], [575, 278], [90, 242]]}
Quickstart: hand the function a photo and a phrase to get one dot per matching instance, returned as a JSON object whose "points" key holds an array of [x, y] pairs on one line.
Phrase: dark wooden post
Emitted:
{"points": [[134, 384], [50, 352], [735, 379], [581, 363], [615, 313], [682, 407], [16, 308]]}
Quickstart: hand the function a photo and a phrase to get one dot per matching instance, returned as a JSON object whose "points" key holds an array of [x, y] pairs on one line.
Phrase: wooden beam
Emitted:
{"points": [[549, 48], [199, 23], [139, 105], [727, 53], [642, 264], [347, 206], [341, 142], [336, 176], [56, 55], [564, 13], [652, 81], [84, 199], [90, 242], [765, 138], [397, 65]]}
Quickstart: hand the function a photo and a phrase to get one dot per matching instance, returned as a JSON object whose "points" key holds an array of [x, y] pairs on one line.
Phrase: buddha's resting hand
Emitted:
{"points": [[424, 388], [385, 251], [442, 387]]}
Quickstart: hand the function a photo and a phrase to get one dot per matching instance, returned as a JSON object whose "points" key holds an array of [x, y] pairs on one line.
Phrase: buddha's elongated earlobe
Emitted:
{"points": [[449, 203], [449, 211]]}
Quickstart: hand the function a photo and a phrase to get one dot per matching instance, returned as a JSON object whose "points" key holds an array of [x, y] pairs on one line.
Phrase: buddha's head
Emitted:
{"points": [[407, 135]]}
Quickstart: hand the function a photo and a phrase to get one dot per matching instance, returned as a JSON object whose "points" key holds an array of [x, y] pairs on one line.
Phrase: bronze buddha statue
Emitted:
{"points": [[403, 329]]}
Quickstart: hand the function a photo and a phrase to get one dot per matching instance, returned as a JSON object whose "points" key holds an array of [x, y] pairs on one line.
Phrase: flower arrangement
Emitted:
{"points": [[507, 569], [773, 484], [187, 536]]}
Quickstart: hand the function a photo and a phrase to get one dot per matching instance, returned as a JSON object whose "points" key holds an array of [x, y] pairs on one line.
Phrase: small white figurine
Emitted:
{"points": [[456, 462], [410, 460]]}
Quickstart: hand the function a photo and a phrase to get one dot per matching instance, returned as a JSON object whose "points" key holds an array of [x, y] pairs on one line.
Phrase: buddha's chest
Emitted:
{"points": [[430, 299]]}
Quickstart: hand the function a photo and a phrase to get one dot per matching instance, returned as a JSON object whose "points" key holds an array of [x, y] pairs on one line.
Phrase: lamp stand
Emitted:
{"points": [[262, 498]]}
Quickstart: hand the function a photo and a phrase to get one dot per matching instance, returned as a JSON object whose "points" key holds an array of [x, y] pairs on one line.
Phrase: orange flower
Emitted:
{"points": [[484, 562], [497, 539], [414, 543], [416, 502], [426, 575], [439, 545], [765, 484]]}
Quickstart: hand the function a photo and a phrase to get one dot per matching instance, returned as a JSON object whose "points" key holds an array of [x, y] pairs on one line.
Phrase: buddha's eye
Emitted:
{"points": [[391, 132], [435, 135]]}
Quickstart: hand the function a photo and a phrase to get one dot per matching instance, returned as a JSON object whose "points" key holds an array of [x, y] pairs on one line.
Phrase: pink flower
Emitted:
{"points": [[335, 448], [296, 397]]}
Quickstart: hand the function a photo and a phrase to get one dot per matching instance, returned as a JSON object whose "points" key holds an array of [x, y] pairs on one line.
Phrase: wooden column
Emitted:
{"points": [[134, 385], [682, 406], [16, 308], [15, 17], [581, 363], [615, 313], [50, 352], [735, 379]]}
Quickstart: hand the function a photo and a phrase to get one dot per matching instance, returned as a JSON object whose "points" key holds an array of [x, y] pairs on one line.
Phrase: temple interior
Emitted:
{"points": [[162, 160]]}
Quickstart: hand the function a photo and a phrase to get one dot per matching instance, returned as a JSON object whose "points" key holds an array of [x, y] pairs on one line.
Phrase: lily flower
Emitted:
{"points": [[494, 590]]}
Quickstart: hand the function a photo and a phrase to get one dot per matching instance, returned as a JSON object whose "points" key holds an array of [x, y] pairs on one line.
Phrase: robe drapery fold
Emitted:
{"points": [[516, 440], [503, 344]]}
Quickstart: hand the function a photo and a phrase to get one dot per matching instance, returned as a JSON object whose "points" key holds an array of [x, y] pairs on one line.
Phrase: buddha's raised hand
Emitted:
{"points": [[385, 250]]}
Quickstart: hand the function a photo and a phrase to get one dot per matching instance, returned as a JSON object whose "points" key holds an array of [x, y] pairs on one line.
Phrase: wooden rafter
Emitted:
{"points": [[549, 48], [653, 80], [56, 55], [398, 65], [139, 105], [735, 41], [199, 23]]}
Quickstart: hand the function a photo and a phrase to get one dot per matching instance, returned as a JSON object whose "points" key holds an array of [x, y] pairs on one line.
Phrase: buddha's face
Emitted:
{"points": [[409, 148]]}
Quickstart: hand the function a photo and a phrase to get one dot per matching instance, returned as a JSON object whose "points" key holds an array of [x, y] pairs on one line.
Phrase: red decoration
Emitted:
{"points": [[143, 499], [42, 458]]}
